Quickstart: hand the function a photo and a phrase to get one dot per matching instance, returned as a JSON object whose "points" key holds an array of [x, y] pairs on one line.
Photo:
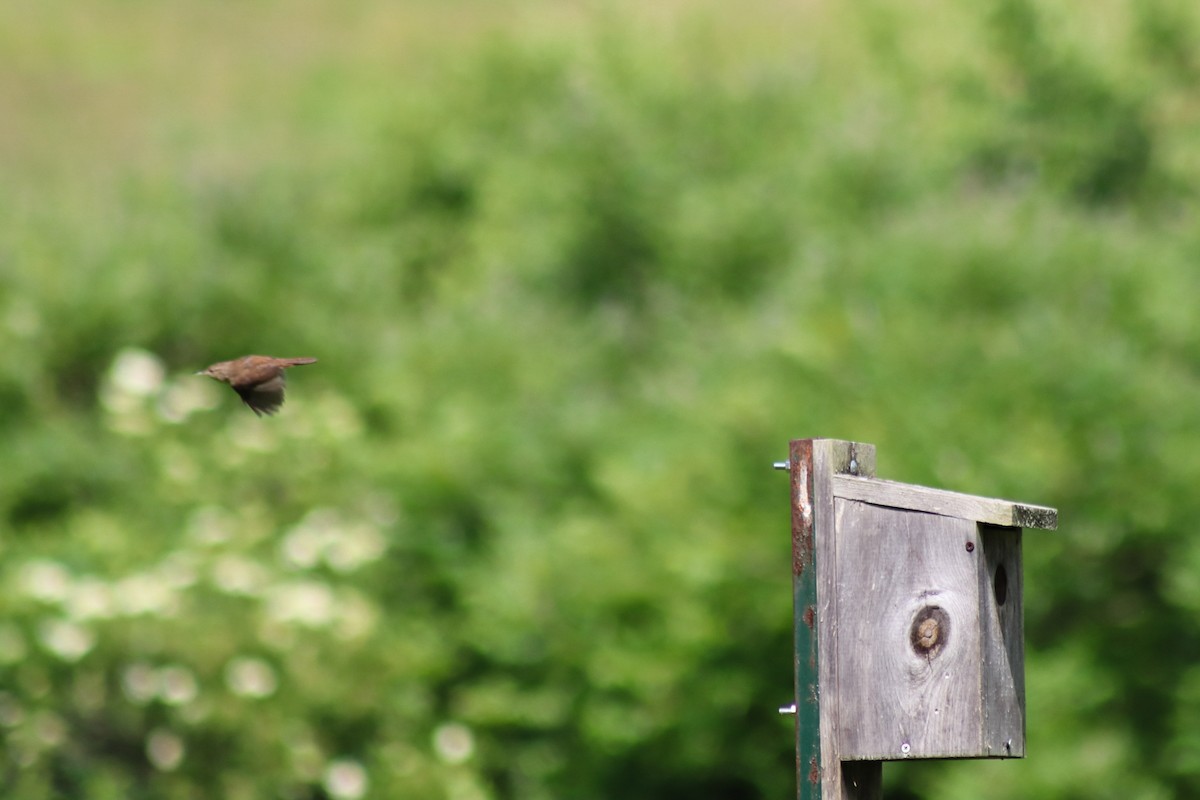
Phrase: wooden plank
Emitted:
{"points": [[908, 648], [841, 779], [908, 496], [1001, 597]]}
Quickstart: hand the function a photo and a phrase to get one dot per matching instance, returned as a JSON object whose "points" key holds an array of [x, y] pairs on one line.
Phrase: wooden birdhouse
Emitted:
{"points": [[908, 603]]}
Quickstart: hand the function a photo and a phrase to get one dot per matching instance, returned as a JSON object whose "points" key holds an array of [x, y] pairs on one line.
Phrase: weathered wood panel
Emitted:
{"points": [[938, 501], [1001, 596], [910, 644]]}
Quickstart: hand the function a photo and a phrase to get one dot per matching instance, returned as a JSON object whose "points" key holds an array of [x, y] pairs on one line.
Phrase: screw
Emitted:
{"points": [[970, 547], [781, 465], [905, 748], [788, 709]]}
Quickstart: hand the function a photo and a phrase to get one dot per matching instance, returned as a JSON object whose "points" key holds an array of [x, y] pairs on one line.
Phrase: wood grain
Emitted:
{"points": [[1003, 653], [929, 665], [939, 501]]}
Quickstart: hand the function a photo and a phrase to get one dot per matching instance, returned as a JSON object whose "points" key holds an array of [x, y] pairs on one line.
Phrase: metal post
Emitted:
{"points": [[820, 772], [804, 602]]}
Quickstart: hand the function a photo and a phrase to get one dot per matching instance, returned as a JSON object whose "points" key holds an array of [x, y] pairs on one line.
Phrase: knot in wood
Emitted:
{"points": [[927, 634], [930, 631]]}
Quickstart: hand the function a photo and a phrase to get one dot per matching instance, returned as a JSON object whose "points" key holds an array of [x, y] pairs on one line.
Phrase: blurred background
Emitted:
{"points": [[575, 273]]}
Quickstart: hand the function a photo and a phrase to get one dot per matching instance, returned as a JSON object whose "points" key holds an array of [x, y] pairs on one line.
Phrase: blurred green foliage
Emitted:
{"points": [[575, 277]]}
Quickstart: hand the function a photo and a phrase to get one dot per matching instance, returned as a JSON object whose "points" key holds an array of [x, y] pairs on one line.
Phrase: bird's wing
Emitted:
{"points": [[256, 370], [263, 398]]}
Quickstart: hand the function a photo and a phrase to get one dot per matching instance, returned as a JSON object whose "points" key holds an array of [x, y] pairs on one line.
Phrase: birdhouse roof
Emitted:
{"points": [[908, 496]]}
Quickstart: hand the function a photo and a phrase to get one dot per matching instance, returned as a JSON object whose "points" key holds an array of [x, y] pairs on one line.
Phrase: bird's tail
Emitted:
{"points": [[297, 362]]}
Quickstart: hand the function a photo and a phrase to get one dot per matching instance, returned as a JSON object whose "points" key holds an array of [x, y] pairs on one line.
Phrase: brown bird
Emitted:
{"points": [[258, 380]]}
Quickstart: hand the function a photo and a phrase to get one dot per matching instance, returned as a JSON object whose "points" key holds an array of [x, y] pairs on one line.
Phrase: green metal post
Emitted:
{"points": [[821, 773], [804, 598]]}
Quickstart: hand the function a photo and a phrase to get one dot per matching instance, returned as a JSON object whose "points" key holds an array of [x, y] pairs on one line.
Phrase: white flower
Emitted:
{"points": [[164, 749], [453, 742], [345, 779], [309, 603], [177, 685], [250, 677], [140, 682], [302, 547], [136, 372], [234, 574], [187, 396], [323, 536], [45, 580], [67, 640], [89, 598], [357, 545], [146, 593]]}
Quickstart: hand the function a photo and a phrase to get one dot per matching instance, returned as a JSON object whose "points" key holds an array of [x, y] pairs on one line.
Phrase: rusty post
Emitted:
{"points": [[804, 599], [820, 772]]}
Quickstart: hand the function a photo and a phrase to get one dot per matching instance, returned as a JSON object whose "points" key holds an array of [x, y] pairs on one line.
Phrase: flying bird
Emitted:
{"points": [[258, 380]]}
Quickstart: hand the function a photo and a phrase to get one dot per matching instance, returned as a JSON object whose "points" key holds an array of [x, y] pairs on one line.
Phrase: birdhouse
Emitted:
{"points": [[908, 601]]}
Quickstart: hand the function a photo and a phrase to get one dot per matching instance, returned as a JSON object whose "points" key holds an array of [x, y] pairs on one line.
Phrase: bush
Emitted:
{"points": [[516, 534]]}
